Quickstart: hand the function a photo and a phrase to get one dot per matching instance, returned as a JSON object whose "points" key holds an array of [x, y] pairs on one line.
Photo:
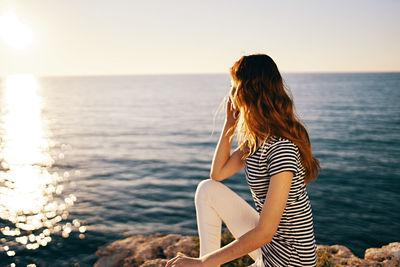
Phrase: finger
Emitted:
{"points": [[171, 262], [228, 100], [168, 263], [233, 107], [176, 263], [234, 110], [229, 104]]}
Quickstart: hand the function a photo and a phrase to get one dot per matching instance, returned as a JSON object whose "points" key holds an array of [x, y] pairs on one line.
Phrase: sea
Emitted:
{"points": [[87, 160]]}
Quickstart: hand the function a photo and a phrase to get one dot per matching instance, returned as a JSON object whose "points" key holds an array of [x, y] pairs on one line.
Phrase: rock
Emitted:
{"points": [[337, 255], [155, 250], [338, 251], [388, 255], [140, 250], [155, 263]]}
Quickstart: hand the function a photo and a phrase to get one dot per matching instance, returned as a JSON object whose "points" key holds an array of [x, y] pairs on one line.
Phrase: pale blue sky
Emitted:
{"points": [[87, 37]]}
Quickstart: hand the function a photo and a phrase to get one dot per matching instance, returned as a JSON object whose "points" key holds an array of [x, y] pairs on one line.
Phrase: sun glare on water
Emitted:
{"points": [[33, 205], [13, 32]]}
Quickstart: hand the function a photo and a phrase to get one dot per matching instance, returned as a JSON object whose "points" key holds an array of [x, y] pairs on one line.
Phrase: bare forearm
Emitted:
{"points": [[250, 241], [222, 151], [263, 233]]}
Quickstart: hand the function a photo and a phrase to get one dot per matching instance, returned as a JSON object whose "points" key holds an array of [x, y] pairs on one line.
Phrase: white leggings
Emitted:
{"points": [[215, 203]]}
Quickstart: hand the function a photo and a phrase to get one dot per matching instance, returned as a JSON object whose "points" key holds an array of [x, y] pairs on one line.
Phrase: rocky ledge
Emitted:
{"points": [[155, 250]]}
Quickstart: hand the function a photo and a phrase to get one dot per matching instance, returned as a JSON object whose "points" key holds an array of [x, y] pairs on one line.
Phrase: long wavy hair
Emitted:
{"points": [[265, 109]]}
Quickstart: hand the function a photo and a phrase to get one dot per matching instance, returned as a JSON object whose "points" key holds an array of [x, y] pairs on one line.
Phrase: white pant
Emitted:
{"points": [[215, 203]]}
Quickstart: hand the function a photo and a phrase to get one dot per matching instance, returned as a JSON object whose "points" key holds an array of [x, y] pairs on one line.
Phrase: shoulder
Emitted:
{"points": [[281, 145], [282, 155]]}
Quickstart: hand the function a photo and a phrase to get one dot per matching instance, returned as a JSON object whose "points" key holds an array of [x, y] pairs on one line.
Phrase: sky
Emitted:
{"points": [[103, 37]]}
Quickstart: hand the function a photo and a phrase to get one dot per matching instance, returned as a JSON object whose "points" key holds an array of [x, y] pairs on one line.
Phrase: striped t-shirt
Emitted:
{"points": [[293, 243]]}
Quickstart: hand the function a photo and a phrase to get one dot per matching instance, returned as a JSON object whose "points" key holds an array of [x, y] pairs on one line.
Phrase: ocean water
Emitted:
{"points": [[88, 160]]}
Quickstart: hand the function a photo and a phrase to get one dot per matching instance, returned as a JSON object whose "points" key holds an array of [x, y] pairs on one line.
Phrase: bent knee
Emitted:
{"points": [[204, 188]]}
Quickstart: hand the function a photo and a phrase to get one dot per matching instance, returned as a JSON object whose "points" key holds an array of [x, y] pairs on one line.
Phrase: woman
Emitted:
{"points": [[275, 151]]}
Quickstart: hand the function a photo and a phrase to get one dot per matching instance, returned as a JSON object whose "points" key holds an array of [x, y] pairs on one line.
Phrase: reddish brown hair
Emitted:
{"points": [[266, 109]]}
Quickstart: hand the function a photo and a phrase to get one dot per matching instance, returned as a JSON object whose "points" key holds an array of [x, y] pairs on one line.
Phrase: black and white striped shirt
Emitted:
{"points": [[293, 243]]}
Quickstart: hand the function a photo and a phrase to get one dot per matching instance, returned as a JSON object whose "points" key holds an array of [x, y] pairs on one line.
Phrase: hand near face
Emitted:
{"points": [[231, 111]]}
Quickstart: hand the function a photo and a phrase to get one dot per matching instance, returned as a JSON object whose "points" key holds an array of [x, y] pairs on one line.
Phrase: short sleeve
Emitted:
{"points": [[283, 157]]}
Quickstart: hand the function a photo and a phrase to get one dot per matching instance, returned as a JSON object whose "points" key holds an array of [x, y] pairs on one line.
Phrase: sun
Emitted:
{"points": [[14, 33]]}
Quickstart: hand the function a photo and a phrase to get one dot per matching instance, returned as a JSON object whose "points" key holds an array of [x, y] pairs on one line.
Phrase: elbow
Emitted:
{"points": [[265, 236], [215, 176]]}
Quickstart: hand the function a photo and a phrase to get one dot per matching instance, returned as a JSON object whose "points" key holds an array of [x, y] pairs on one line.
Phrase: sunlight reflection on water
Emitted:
{"points": [[32, 203]]}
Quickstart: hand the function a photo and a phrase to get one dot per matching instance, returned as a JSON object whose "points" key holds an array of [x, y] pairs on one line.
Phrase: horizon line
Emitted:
{"points": [[191, 73]]}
